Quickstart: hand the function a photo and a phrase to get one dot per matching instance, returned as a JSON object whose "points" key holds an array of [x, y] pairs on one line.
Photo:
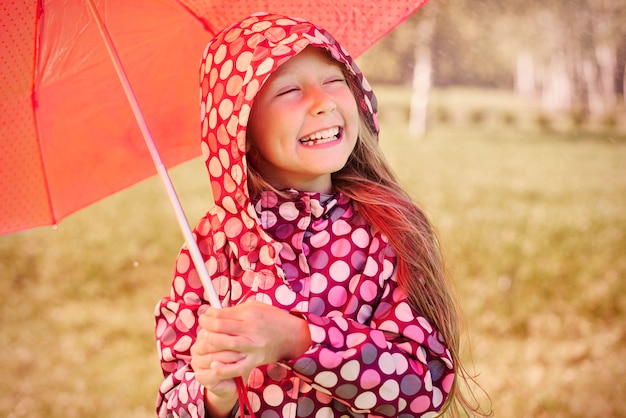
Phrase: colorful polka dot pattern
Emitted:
{"points": [[372, 354]]}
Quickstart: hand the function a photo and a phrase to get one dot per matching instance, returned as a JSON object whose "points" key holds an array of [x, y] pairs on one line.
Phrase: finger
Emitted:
{"points": [[227, 357], [201, 364], [206, 376], [208, 342], [220, 323], [225, 371], [214, 342], [245, 311], [203, 361], [223, 387], [203, 344], [210, 372]]}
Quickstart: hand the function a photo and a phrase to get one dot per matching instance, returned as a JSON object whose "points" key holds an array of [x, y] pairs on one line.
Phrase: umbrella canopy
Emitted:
{"points": [[68, 135]]}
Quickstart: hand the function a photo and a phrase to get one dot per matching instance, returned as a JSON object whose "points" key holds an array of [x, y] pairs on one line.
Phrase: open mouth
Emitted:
{"points": [[322, 137]]}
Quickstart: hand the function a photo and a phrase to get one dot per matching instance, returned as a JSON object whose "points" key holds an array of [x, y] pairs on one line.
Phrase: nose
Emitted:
{"points": [[321, 102]]}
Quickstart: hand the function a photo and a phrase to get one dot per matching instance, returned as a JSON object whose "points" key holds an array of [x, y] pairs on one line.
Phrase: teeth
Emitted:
{"points": [[321, 137], [311, 142]]}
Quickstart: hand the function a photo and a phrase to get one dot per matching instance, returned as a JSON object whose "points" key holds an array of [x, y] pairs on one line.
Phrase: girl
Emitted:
{"points": [[335, 301]]}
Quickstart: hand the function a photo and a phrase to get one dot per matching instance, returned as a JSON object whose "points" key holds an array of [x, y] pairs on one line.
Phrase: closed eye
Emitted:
{"points": [[286, 90], [336, 80]]}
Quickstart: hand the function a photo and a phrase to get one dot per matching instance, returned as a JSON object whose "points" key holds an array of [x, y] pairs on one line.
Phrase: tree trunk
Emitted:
{"points": [[557, 87], [525, 77], [619, 82], [420, 93], [422, 71], [595, 101], [607, 64]]}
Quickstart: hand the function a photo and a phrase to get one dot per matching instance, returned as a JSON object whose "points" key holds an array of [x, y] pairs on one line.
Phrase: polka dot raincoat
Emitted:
{"points": [[371, 354]]}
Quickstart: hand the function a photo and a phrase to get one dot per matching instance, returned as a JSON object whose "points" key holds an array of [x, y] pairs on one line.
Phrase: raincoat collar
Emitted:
{"points": [[234, 67], [315, 205]]}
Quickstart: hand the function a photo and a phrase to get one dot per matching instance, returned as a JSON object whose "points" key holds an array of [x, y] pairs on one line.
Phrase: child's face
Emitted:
{"points": [[304, 123]]}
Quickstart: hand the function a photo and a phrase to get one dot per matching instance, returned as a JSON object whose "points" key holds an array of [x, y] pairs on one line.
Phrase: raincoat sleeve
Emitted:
{"points": [[180, 394], [396, 364]]}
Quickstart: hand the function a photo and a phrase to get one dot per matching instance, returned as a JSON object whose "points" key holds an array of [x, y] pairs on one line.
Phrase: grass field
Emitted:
{"points": [[533, 224]]}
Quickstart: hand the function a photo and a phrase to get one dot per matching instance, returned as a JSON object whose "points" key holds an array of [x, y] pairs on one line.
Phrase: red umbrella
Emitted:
{"points": [[83, 80], [86, 85], [68, 137]]}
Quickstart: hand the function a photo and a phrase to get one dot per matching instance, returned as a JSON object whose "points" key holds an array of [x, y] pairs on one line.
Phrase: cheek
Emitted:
{"points": [[351, 109], [352, 115]]}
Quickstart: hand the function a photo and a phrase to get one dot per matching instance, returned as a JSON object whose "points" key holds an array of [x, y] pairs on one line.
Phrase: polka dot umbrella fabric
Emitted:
{"points": [[68, 137]]}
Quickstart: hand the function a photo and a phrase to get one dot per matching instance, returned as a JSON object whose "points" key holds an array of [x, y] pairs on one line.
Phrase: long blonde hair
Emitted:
{"points": [[368, 179]]}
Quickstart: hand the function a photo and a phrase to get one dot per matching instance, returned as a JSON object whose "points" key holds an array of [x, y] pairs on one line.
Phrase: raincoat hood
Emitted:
{"points": [[235, 65]]}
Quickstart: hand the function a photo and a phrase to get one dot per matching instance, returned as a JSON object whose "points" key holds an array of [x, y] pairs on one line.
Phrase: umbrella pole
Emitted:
{"points": [[244, 403], [156, 158]]}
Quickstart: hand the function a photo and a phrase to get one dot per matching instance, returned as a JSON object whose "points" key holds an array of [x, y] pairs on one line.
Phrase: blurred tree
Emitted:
{"points": [[570, 54], [575, 52], [607, 17], [466, 48]]}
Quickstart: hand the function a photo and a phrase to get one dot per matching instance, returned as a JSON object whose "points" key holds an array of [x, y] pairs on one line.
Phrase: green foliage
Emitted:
{"points": [[532, 224]]}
